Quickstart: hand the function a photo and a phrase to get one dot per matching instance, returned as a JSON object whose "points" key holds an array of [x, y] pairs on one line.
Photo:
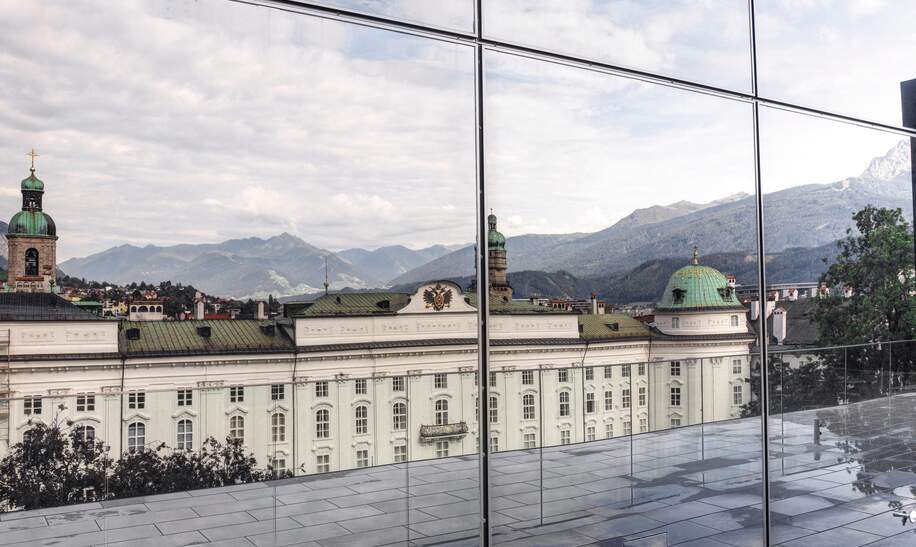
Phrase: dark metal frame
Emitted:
{"points": [[476, 38]]}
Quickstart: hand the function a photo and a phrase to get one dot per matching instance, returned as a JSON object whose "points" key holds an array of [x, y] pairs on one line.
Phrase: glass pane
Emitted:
{"points": [[840, 280], [623, 223], [707, 42], [455, 15], [846, 57]]}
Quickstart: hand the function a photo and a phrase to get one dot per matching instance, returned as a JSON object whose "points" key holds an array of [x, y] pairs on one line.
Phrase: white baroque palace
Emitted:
{"points": [[359, 379]]}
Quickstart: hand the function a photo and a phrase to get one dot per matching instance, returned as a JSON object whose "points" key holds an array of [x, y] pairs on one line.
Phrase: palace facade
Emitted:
{"points": [[357, 379]]}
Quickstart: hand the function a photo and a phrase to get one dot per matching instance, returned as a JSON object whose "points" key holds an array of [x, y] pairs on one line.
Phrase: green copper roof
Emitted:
{"points": [[365, 303], [33, 183], [610, 326], [32, 223], [696, 287], [495, 240], [182, 337]]}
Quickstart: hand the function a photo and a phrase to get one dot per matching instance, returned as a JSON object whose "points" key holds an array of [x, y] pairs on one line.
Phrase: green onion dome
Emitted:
{"points": [[695, 287], [33, 183], [495, 240], [32, 223]]}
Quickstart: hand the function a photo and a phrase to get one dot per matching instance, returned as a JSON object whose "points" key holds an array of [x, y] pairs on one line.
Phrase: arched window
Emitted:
{"points": [[399, 414], [159, 308], [278, 427], [84, 432], [185, 438], [362, 420], [143, 308], [528, 407], [494, 410], [31, 261], [441, 412], [27, 436], [136, 436], [323, 424], [237, 427], [734, 320], [564, 403], [133, 308]]}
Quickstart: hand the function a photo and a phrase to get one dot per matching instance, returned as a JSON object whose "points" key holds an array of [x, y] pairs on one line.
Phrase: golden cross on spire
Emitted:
{"points": [[33, 154]]}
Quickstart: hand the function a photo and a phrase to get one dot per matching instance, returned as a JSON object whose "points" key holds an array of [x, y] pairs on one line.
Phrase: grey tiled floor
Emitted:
{"points": [[697, 485]]}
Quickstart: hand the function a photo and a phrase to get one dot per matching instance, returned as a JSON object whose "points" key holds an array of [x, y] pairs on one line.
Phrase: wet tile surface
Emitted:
{"points": [[690, 486]]}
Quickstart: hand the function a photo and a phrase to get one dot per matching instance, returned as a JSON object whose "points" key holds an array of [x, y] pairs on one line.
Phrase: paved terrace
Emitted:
{"points": [[691, 486]]}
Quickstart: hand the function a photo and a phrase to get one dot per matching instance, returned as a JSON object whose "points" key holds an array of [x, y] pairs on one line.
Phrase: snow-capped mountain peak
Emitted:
{"points": [[890, 165]]}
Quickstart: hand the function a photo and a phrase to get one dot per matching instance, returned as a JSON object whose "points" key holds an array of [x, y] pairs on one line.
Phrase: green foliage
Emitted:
{"points": [[875, 261], [52, 468]]}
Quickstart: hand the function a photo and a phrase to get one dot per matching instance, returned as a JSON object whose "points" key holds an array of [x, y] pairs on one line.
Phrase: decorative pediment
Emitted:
{"points": [[437, 297]]}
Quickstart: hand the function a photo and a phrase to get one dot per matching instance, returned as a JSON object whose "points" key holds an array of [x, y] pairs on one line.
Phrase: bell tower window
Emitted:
{"points": [[31, 262]]}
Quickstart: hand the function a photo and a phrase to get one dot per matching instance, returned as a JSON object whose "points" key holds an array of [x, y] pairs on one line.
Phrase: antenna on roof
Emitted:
{"points": [[326, 284]]}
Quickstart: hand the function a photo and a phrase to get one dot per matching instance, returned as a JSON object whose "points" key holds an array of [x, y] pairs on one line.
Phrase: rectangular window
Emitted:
{"points": [[361, 387], [642, 370], [563, 376], [530, 440], [277, 392], [675, 422], [440, 381], [492, 379], [236, 394], [323, 463], [626, 398], [675, 323], [609, 430], [185, 397], [625, 371], [85, 402], [564, 436], [589, 403], [589, 374], [590, 433], [528, 377], [397, 383], [642, 396], [494, 444], [136, 399], [362, 458], [31, 405], [627, 428], [279, 466], [400, 453], [321, 389], [738, 395], [643, 425], [608, 372], [442, 449], [608, 400], [675, 396], [736, 366], [675, 368]]}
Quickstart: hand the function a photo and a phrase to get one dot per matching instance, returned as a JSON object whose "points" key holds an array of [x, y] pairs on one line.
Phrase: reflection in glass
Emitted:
{"points": [[697, 41]]}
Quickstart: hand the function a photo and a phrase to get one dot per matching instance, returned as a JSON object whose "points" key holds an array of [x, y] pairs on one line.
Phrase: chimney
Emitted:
{"points": [[594, 304], [755, 310], [779, 325], [199, 309], [261, 314]]}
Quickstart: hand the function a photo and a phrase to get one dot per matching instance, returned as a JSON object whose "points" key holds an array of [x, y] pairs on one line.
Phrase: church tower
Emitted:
{"points": [[32, 241], [496, 253]]}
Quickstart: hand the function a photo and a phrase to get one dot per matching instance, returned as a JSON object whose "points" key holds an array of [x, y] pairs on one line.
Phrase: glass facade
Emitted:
{"points": [[576, 273]]}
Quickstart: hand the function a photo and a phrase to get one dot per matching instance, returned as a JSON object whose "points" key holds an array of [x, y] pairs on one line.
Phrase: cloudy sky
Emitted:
{"points": [[183, 121]]}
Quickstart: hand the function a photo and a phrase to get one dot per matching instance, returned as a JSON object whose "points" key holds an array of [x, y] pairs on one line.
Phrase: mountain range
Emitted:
{"points": [[801, 222], [811, 215]]}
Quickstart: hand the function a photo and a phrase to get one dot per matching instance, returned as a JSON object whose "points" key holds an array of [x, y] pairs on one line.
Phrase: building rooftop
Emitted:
{"points": [[151, 338], [18, 306], [688, 486]]}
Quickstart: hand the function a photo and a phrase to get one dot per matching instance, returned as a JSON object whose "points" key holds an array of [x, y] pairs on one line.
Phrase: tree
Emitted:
{"points": [[52, 468], [876, 264]]}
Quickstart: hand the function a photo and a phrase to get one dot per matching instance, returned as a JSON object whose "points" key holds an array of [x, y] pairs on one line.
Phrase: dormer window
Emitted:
{"points": [[678, 295], [725, 292]]}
